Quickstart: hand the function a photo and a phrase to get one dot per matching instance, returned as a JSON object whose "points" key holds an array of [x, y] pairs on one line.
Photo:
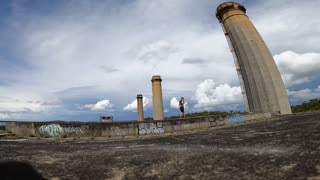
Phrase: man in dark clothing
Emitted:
{"points": [[181, 106]]}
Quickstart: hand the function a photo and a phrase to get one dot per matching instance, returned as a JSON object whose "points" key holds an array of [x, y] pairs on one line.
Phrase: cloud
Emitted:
{"points": [[138, 45], [158, 51], [9, 116], [291, 28], [303, 95], [174, 103], [298, 68], [14, 105], [208, 94], [103, 105], [194, 61], [108, 69], [4, 116], [133, 106]]}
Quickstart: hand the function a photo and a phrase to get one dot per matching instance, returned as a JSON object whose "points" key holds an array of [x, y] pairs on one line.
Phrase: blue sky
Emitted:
{"points": [[78, 60]]}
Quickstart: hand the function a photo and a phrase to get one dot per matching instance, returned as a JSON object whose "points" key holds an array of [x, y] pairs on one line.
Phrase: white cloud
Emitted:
{"points": [[133, 106], [103, 105], [303, 95], [174, 103], [14, 105], [291, 26], [157, 51], [9, 116], [4, 116], [139, 45], [298, 68], [208, 94]]}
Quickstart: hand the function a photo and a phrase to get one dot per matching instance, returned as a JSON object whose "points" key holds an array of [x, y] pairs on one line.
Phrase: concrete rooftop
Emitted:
{"points": [[288, 148]]}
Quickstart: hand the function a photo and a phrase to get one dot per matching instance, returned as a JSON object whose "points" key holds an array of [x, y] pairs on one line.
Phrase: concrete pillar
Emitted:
{"points": [[262, 81], [140, 107], [157, 98]]}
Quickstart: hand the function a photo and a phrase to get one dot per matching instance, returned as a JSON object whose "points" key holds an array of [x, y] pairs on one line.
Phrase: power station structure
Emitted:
{"points": [[140, 107], [157, 98], [260, 79]]}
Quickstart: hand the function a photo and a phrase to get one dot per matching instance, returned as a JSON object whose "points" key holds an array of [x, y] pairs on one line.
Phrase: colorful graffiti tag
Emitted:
{"points": [[51, 130]]}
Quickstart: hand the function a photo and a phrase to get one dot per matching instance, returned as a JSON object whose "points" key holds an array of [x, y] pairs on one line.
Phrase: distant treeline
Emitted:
{"points": [[311, 105], [206, 113]]}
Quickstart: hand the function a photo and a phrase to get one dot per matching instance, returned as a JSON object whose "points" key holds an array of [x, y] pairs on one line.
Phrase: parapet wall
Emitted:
{"points": [[102, 129]]}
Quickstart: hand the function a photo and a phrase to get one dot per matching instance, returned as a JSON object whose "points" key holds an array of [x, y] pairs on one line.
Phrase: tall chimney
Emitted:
{"points": [[140, 107], [157, 98], [259, 76]]}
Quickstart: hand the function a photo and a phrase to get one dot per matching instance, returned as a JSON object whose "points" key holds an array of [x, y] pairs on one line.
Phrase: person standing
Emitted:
{"points": [[181, 107]]}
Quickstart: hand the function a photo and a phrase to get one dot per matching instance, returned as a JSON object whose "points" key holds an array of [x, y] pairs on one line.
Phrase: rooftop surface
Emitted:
{"points": [[288, 148]]}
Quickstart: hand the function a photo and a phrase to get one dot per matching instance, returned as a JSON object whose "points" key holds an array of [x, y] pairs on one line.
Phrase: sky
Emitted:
{"points": [[77, 60]]}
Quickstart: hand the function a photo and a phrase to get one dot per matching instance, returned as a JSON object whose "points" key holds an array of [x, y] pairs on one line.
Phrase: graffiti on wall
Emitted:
{"points": [[150, 128], [51, 130], [56, 130], [146, 128], [73, 130], [216, 122]]}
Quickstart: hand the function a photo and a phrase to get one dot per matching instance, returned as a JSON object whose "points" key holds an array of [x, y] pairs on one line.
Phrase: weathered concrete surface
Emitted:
{"points": [[157, 98], [140, 107], [288, 148], [264, 87]]}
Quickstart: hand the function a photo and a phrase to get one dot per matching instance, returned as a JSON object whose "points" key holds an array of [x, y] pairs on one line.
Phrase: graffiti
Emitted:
{"points": [[51, 130], [235, 119], [73, 130], [150, 128], [212, 123], [216, 122]]}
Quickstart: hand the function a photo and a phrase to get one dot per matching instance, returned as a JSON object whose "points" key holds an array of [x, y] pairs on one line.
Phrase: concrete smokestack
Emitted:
{"points": [[259, 76], [157, 98], [140, 107]]}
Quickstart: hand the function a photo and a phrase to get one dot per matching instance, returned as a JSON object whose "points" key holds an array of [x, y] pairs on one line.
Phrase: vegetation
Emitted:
{"points": [[311, 105], [205, 113]]}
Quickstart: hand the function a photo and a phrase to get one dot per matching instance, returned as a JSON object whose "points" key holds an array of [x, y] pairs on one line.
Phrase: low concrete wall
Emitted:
{"points": [[240, 118], [252, 117], [21, 128], [102, 129]]}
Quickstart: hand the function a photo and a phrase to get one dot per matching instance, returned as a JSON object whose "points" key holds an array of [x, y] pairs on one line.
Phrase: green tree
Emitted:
{"points": [[311, 105]]}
